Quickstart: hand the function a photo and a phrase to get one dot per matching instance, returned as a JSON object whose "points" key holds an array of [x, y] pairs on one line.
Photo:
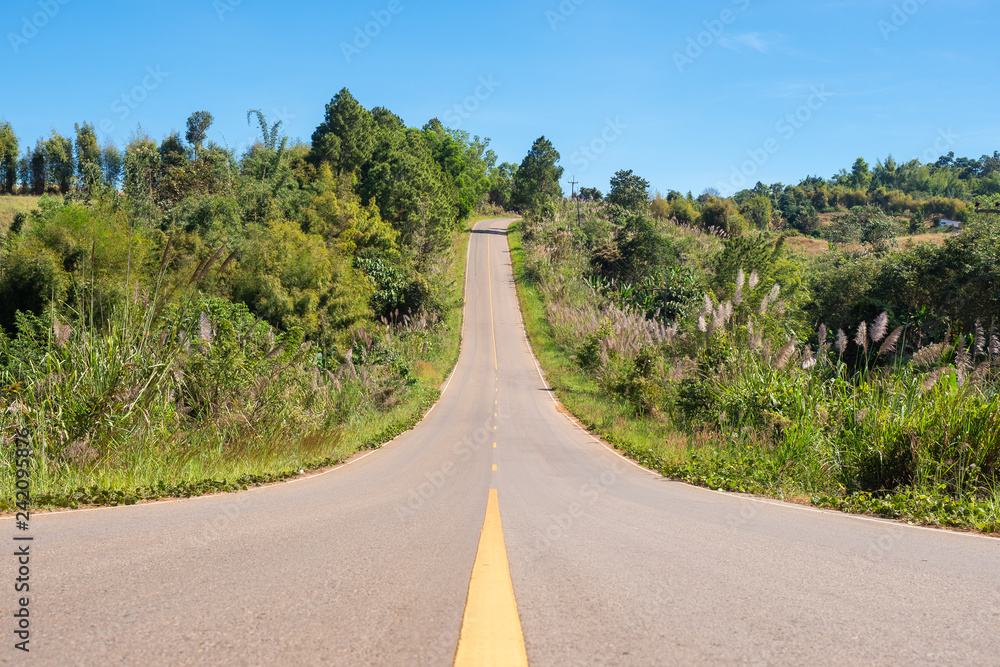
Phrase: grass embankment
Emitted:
{"points": [[812, 246], [649, 442], [646, 441], [159, 451], [797, 459], [12, 204]]}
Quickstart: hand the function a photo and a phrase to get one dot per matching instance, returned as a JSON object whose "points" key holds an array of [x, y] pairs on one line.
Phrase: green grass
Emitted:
{"points": [[11, 204], [650, 442], [811, 456], [142, 459]]}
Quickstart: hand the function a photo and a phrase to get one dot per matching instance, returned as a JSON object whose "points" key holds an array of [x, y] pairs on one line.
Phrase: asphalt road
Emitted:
{"points": [[610, 564]]}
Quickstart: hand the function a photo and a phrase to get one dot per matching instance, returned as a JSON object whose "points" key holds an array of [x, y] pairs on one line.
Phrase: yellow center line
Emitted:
{"points": [[489, 277], [491, 629]]}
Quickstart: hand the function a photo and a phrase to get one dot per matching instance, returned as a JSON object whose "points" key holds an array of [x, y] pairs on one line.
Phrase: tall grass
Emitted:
{"points": [[195, 394], [869, 420]]}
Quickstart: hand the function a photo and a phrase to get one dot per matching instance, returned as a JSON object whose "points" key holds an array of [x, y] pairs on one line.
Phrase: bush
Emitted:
{"points": [[17, 224], [722, 214], [30, 279]]}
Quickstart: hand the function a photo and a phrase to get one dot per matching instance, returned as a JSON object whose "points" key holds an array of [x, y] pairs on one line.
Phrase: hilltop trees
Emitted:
{"points": [[197, 129], [314, 238], [320, 238], [502, 185], [628, 191], [112, 163], [37, 171], [9, 157], [422, 180], [723, 215], [292, 289], [88, 155], [537, 179], [407, 185], [347, 136], [861, 177], [674, 207], [464, 162], [758, 211], [59, 165], [142, 164]]}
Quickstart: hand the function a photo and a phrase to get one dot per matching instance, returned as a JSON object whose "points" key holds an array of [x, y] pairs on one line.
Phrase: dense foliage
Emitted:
{"points": [[172, 309], [175, 309], [865, 377]]}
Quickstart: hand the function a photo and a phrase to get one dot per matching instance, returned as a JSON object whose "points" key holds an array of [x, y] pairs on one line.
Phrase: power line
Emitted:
{"points": [[573, 196]]}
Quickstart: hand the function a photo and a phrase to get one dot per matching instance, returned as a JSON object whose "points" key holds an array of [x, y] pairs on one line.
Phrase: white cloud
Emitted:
{"points": [[753, 40]]}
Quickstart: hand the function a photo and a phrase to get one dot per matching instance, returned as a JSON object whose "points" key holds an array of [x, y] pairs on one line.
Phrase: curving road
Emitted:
{"points": [[390, 559]]}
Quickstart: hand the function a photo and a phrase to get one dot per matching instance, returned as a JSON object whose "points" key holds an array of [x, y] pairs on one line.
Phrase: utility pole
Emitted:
{"points": [[573, 196]]}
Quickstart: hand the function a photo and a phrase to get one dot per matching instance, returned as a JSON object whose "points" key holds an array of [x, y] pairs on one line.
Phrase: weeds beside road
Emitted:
{"points": [[206, 398], [735, 404]]}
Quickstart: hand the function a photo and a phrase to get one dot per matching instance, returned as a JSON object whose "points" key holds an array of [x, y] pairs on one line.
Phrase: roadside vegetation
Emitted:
{"points": [[863, 378], [178, 319]]}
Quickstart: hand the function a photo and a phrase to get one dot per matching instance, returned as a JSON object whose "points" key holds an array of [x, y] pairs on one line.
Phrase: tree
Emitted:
{"points": [[860, 177], [628, 191], [346, 138], [24, 171], [465, 160], [991, 163], [88, 155], [39, 171], [867, 224], [59, 161], [113, 163], [9, 156], [590, 194], [537, 179], [946, 160], [758, 211], [750, 252], [266, 161], [674, 207], [722, 214], [502, 184], [172, 151], [269, 134], [804, 218], [884, 174], [197, 128], [876, 229], [709, 194], [142, 165], [411, 191], [387, 120]]}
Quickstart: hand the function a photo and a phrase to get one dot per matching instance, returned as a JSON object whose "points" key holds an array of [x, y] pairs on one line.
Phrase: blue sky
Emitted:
{"points": [[688, 95]]}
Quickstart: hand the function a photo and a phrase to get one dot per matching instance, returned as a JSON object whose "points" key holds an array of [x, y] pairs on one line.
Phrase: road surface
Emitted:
{"points": [[582, 559]]}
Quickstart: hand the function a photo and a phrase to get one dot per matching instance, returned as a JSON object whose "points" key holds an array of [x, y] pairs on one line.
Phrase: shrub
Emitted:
{"points": [[30, 279]]}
